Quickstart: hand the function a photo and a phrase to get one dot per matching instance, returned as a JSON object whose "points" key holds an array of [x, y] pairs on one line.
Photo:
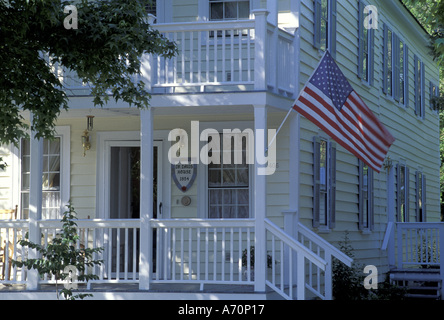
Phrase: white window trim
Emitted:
{"points": [[202, 169], [64, 132]]}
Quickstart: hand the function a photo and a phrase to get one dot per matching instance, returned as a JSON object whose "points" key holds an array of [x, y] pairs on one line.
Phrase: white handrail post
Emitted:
{"points": [[260, 195], [328, 277], [300, 279], [291, 221], [35, 204], [146, 198], [260, 56]]}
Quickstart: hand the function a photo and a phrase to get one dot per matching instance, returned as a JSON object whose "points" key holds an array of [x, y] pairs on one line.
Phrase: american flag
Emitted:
{"points": [[329, 101]]}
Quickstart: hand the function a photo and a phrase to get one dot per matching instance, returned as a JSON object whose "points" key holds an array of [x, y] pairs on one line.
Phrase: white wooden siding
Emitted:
{"points": [[417, 140]]}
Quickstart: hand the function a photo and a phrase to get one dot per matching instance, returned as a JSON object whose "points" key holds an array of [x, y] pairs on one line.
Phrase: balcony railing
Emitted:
{"points": [[240, 55]]}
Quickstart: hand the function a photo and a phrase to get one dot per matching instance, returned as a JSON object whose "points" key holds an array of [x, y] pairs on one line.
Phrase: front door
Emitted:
{"points": [[124, 197]]}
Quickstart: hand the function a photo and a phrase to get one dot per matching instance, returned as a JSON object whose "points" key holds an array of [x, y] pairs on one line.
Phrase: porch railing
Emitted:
{"points": [[191, 251], [216, 56], [419, 245], [10, 233], [119, 239], [203, 251], [220, 53]]}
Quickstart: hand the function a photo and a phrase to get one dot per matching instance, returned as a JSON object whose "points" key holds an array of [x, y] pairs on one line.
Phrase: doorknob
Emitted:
{"points": [[160, 208]]}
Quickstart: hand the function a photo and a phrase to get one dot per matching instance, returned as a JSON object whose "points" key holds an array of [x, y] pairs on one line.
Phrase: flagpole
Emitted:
{"points": [[280, 127], [289, 111]]}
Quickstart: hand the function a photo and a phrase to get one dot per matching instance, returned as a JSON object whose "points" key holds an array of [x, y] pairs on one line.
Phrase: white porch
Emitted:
{"points": [[197, 254]]}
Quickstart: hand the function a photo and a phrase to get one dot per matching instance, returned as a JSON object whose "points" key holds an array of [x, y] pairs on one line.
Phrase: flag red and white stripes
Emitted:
{"points": [[329, 101]]}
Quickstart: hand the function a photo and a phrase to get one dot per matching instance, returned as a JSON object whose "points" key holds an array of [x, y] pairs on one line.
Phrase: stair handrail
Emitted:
{"points": [[295, 244], [327, 246]]}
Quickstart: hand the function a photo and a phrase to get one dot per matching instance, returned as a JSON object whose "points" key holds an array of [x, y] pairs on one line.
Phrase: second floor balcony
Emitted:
{"points": [[218, 56]]}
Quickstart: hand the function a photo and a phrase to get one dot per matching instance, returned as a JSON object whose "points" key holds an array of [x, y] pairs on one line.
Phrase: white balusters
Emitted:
{"points": [[203, 251]]}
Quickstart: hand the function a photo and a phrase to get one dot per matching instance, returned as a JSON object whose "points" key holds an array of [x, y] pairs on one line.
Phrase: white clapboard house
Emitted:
{"points": [[239, 229]]}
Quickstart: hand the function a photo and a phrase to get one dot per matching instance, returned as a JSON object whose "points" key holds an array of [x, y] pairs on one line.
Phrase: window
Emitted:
{"points": [[400, 72], [324, 174], [325, 25], [434, 93], [229, 9], [366, 214], [395, 67], [229, 181], [366, 42], [402, 193], [419, 87], [420, 197], [51, 179], [55, 179], [387, 63], [400, 94]]}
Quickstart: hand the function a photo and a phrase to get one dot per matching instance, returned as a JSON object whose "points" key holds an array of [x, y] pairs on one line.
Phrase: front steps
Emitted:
{"points": [[419, 283]]}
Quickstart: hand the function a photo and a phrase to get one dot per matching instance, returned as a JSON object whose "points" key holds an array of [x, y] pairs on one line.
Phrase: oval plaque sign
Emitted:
{"points": [[184, 175]]}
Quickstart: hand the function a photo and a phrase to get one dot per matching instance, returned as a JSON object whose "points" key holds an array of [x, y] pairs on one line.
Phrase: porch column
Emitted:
{"points": [[260, 197], [146, 68], [35, 204], [146, 198], [260, 49]]}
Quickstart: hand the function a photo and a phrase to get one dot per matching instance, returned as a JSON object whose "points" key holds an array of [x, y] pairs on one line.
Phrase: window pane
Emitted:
{"points": [[215, 212], [229, 212], [54, 146], [243, 212], [25, 181], [244, 9], [242, 177], [389, 62], [230, 10], [214, 178], [229, 177], [242, 196], [26, 164], [26, 149], [54, 164], [215, 196], [216, 11], [323, 164]]}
